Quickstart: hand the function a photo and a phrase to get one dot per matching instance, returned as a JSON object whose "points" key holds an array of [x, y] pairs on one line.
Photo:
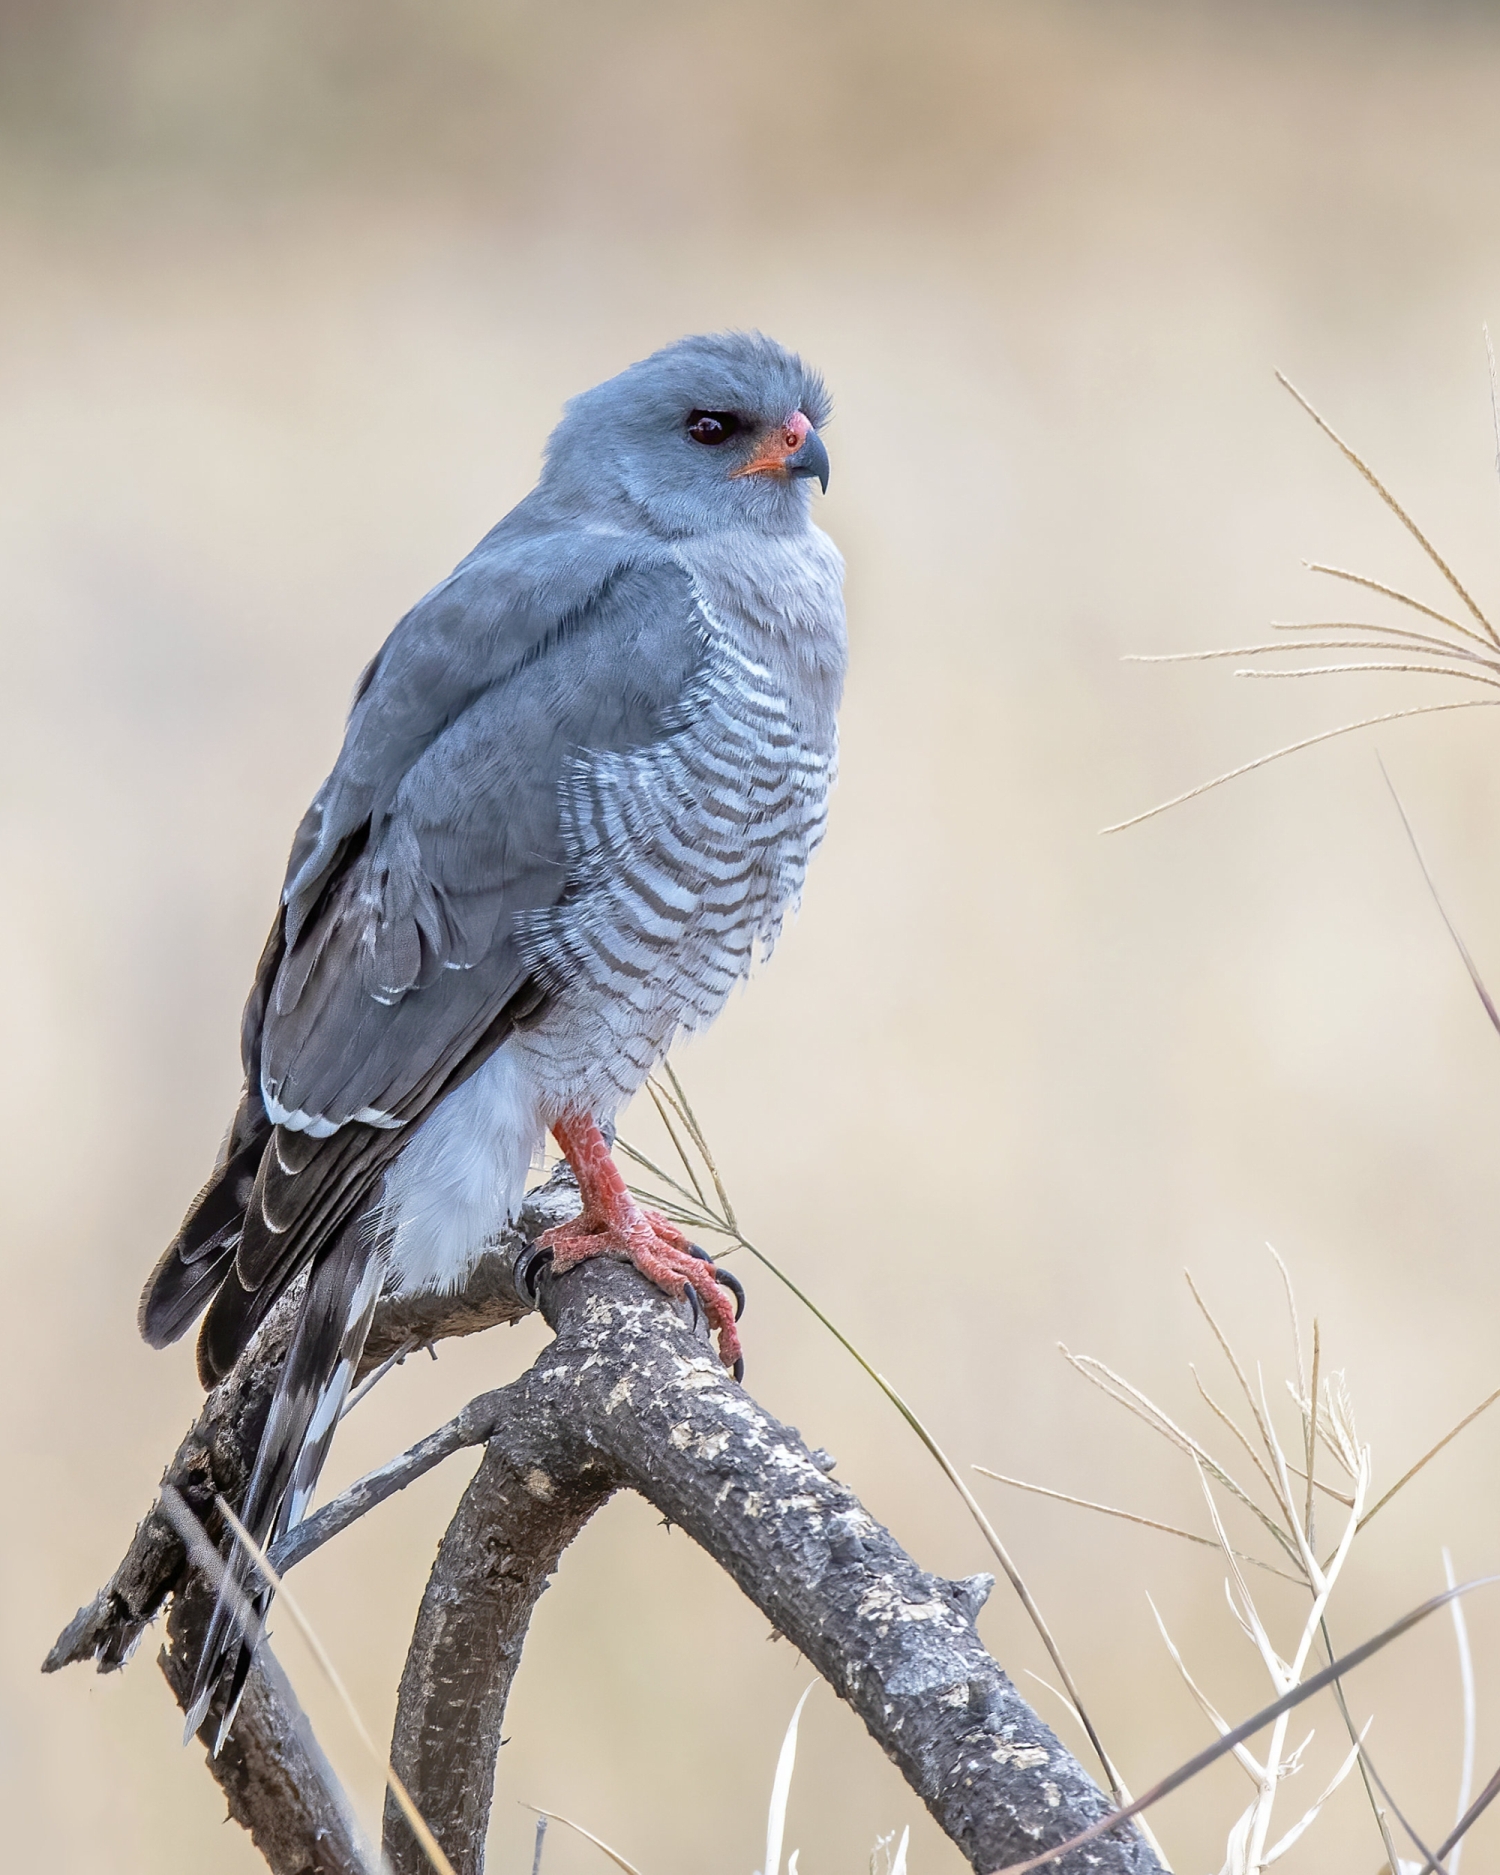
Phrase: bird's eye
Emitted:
{"points": [[712, 426]]}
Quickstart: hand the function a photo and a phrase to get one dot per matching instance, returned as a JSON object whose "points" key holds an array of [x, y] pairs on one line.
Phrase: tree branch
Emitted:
{"points": [[272, 1770], [505, 1540], [475, 1425], [628, 1394], [215, 1457]]}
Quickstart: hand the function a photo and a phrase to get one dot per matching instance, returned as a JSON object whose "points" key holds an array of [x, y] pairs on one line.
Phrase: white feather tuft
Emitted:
{"points": [[459, 1179]]}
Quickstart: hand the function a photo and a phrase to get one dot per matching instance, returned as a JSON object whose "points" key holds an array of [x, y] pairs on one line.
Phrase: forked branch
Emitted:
{"points": [[628, 1394]]}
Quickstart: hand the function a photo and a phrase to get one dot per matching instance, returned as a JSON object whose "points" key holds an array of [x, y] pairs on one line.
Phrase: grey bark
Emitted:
{"points": [[627, 1395], [505, 1540]]}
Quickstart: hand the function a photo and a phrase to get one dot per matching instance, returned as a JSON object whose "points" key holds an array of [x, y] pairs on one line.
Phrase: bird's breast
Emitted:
{"points": [[780, 599], [684, 858]]}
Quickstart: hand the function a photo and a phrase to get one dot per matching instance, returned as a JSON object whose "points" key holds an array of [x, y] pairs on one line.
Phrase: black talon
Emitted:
{"points": [[723, 1278], [528, 1270], [735, 1288]]}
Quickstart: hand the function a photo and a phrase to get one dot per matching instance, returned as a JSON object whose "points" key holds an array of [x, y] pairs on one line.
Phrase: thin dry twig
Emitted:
{"points": [[666, 1120], [1116, 1388], [1407, 634], [1466, 1680], [1233, 1426], [1262, 1423], [1296, 647], [1247, 1728], [371, 1380], [1462, 1827], [690, 1120], [1367, 1775], [1216, 1719], [1130, 1516], [1291, 1309], [1455, 660], [1293, 748], [1428, 1456], [1431, 1859], [1326, 1418], [554, 1816], [1312, 1434], [1401, 598], [781, 1789], [1319, 1484], [1463, 950], [1391, 502], [1339, 670]]}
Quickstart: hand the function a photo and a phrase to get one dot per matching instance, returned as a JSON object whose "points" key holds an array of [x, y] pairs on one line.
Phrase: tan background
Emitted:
{"points": [[290, 298]]}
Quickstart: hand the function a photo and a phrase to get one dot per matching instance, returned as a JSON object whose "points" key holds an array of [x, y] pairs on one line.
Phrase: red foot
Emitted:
{"points": [[611, 1223]]}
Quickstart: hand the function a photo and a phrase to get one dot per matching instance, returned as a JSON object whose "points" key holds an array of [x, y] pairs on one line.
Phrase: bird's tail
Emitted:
{"points": [[342, 1290]]}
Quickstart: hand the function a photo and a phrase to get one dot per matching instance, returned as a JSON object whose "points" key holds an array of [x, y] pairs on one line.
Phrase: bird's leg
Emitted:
{"points": [[611, 1223]]}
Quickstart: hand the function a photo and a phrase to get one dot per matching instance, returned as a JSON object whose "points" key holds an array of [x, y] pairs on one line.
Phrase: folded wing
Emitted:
{"points": [[395, 966]]}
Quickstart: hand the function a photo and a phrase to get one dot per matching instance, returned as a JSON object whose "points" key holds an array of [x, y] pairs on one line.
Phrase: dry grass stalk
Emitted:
{"points": [[1326, 1433], [781, 1790], [1459, 651], [883, 1861], [553, 1816]]}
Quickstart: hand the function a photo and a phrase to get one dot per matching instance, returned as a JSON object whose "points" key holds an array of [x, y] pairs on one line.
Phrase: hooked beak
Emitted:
{"points": [[792, 450], [810, 459]]}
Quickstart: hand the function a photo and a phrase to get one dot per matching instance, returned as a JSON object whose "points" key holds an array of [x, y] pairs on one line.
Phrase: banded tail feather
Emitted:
{"points": [[342, 1290], [194, 1264]]}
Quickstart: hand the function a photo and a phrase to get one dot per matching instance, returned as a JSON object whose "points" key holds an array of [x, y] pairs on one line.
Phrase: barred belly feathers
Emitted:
{"points": [[577, 796]]}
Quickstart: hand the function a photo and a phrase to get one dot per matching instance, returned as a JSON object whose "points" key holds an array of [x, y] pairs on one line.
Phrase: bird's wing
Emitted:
{"points": [[400, 927], [397, 965], [501, 608]]}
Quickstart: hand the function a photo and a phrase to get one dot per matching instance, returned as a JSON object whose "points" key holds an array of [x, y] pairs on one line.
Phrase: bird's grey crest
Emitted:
{"points": [[578, 791]]}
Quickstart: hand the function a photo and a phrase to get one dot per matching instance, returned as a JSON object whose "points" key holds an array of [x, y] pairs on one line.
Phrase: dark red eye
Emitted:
{"points": [[712, 426]]}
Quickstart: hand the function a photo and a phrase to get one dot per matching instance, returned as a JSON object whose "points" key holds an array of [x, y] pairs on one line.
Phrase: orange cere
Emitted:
{"points": [[784, 440]]}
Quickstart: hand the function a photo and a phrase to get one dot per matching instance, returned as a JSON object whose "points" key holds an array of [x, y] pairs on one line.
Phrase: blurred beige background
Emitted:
{"points": [[290, 297]]}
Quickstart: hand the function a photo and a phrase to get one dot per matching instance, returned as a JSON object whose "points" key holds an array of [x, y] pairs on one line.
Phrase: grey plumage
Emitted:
{"points": [[578, 791]]}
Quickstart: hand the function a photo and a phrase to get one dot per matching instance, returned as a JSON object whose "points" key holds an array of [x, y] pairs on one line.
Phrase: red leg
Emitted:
{"points": [[611, 1223]]}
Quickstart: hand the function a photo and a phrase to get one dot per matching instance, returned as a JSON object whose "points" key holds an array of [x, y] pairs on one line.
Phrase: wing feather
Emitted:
{"points": [[396, 965]]}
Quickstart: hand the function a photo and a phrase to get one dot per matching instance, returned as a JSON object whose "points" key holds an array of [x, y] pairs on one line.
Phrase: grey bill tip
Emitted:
{"points": [[810, 459]]}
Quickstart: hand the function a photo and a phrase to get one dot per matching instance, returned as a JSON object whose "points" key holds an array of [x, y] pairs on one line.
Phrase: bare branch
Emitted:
{"points": [[277, 1782], [628, 1395], [473, 1426], [215, 1457], [506, 1538]]}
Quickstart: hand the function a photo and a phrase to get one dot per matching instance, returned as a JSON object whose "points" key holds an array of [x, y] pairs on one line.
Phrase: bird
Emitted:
{"points": [[579, 787]]}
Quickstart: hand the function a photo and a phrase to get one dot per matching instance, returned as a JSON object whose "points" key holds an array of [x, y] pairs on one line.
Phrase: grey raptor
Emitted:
{"points": [[577, 794]]}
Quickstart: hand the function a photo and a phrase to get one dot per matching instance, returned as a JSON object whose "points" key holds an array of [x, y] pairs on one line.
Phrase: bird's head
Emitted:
{"points": [[711, 432]]}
